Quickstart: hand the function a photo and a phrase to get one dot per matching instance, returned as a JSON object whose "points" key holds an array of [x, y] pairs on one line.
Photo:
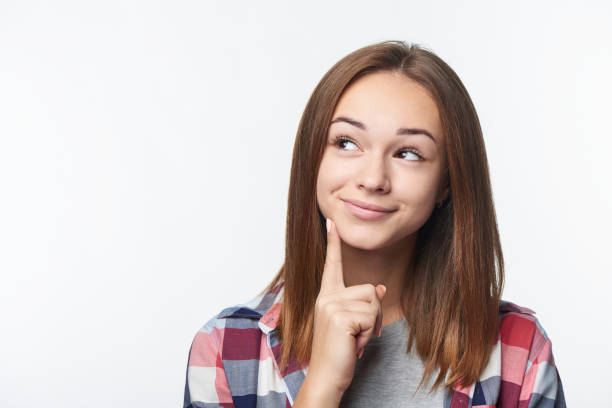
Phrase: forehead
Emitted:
{"points": [[385, 101]]}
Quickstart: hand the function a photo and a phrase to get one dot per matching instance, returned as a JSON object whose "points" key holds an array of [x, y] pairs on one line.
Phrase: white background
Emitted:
{"points": [[144, 164]]}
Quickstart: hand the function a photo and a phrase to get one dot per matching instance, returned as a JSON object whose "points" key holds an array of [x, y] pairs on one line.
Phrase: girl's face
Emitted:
{"points": [[385, 148]]}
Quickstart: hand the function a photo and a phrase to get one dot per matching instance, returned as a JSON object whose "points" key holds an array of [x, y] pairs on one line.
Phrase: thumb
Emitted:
{"points": [[381, 290]]}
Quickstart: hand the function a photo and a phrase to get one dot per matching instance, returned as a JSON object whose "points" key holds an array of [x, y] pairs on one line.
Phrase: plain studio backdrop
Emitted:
{"points": [[144, 165]]}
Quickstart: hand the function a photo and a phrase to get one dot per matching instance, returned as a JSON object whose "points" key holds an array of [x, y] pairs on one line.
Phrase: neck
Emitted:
{"points": [[385, 266]]}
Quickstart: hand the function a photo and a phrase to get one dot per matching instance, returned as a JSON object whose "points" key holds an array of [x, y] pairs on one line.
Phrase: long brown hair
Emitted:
{"points": [[452, 293]]}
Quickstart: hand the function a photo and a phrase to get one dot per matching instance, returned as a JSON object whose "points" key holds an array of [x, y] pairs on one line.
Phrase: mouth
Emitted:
{"points": [[366, 211]]}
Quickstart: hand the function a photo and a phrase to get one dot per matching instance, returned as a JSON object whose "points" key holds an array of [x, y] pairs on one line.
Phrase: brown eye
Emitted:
{"points": [[339, 140], [414, 152]]}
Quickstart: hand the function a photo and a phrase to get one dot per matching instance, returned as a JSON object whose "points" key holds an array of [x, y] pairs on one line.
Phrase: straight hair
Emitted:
{"points": [[453, 286]]}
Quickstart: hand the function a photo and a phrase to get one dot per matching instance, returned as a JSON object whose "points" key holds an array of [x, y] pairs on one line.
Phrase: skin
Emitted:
{"points": [[376, 166]]}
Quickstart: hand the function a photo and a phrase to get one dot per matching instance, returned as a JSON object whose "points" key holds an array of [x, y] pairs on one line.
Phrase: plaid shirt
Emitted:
{"points": [[233, 362]]}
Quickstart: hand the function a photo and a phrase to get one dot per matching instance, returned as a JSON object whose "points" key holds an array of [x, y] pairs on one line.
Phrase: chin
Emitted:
{"points": [[367, 246], [361, 237]]}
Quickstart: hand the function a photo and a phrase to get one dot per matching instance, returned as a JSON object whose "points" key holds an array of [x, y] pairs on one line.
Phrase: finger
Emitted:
{"points": [[365, 292], [355, 306], [381, 290], [332, 272], [366, 323], [378, 324], [379, 310]]}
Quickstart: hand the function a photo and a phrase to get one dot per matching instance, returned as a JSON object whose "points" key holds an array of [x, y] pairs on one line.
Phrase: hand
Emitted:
{"points": [[344, 320]]}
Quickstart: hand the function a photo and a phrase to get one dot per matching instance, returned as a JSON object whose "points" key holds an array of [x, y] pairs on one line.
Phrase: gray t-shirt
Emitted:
{"points": [[387, 376]]}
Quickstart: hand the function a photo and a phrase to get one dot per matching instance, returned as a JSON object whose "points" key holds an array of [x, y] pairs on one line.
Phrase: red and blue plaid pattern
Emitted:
{"points": [[233, 362]]}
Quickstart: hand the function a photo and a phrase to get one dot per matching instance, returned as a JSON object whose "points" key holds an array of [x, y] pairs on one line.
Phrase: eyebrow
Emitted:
{"points": [[400, 131]]}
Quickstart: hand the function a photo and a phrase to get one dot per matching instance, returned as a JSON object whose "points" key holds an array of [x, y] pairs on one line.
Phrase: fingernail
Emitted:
{"points": [[380, 331], [360, 354], [327, 224]]}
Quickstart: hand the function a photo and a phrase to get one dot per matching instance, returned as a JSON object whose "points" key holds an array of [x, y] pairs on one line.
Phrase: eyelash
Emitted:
{"points": [[343, 138]]}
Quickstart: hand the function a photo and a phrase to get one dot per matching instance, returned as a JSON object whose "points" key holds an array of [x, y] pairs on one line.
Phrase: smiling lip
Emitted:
{"points": [[365, 210]]}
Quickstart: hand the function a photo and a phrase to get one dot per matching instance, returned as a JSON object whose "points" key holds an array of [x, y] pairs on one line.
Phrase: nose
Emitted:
{"points": [[373, 176]]}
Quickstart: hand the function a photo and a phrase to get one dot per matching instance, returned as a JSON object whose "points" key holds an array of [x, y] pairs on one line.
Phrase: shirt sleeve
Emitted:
{"points": [[206, 383], [542, 386]]}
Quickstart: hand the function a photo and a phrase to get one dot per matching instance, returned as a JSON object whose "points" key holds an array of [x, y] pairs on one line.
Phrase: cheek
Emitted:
{"points": [[418, 199], [417, 190], [330, 177], [322, 186]]}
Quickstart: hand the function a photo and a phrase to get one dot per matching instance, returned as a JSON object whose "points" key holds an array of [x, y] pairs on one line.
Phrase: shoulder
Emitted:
{"points": [[517, 325], [520, 329], [528, 370], [225, 354], [256, 307], [521, 369], [243, 320], [514, 346]]}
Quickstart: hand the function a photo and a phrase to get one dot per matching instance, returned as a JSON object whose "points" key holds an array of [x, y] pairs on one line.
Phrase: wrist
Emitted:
{"points": [[315, 393]]}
